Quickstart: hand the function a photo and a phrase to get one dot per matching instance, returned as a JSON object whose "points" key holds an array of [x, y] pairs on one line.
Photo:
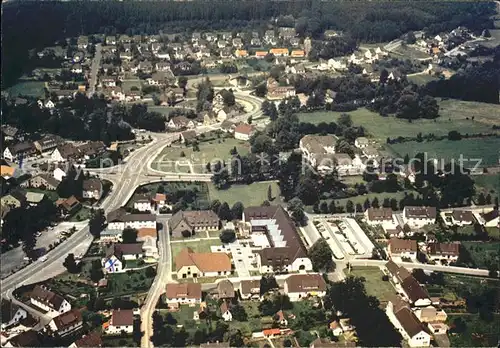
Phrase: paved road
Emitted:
{"points": [[96, 63], [163, 276]]}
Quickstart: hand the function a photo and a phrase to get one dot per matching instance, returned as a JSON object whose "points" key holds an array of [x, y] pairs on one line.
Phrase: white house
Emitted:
{"points": [[49, 301], [119, 219], [148, 237], [143, 203], [490, 219], [66, 323], [243, 132], [118, 254], [92, 189], [225, 312], [12, 314], [315, 148], [408, 324], [300, 286], [418, 217], [361, 142], [402, 248], [58, 174], [249, 289], [462, 217], [183, 293], [122, 320], [113, 264]]}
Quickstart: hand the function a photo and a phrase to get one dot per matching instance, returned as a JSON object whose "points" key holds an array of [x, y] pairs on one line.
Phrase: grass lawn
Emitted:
{"points": [[164, 110], [422, 79], [52, 195], [249, 195], [484, 149], [374, 284], [453, 117], [483, 253], [80, 215], [209, 151], [130, 282], [477, 333], [28, 88], [200, 246], [410, 52], [128, 84], [489, 183]]}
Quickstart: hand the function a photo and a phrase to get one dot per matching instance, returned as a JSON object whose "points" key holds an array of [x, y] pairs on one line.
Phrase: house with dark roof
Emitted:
{"points": [[119, 219], [182, 293], [122, 321], [92, 189], [19, 150], [117, 255], [490, 219], [402, 248], [49, 300], [443, 251], [91, 340], [43, 181], [300, 286], [66, 323], [418, 217], [68, 206], [461, 217], [188, 136], [225, 289], [65, 152], [249, 289], [282, 248], [190, 264], [28, 338], [188, 223], [407, 286], [225, 310], [408, 325], [379, 216], [47, 143], [12, 314]]}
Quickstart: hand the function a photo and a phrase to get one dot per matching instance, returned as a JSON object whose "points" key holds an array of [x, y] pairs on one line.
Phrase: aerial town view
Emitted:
{"points": [[250, 173]]}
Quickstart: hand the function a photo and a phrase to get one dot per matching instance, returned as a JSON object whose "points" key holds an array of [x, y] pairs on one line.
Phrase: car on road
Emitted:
{"points": [[43, 259]]}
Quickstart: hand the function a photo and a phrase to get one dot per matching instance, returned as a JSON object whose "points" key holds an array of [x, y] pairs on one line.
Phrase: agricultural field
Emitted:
{"points": [[249, 195], [189, 160], [484, 149], [28, 88], [454, 114], [374, 285]]}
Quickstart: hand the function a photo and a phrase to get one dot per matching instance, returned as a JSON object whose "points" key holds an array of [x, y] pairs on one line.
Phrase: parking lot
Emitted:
{"points": [[244, 258]]}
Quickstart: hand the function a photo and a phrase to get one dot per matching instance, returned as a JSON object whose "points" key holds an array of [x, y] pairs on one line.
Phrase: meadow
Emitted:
{"points": [[28, 88]]}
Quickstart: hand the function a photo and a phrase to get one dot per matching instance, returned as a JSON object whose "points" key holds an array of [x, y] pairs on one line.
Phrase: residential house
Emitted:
{"points": [[295, 42], [68, 206], [7, 172], [148, 237], [92, 339], [163, 66], [12, 314], [118, 254], [408, 325], [180, 122], [462, 217], [249, 289], [65, 152], [280, 318], [395, 75], [42, 181], [34, 198], [108, 82], [284, 250], [58, 174], [160, 201], [407, 286], [110, 236], [379, 216], [270, 38], [431, 315], [241, 53], [279, 52], [300, 286], [225, 290], [237, 42], [448, 252], [190, 264], [66, 323], [402, 248], [82, 42], [255, 42], [183, 293], [15, 199], [159, 78], [49, 301], [490, 219], [228, 126], [244, 132], [317, 150], [92, 188], [119, 219], [195, 37], [361, 142], [260, 54], [19, 150], [298, 54], [418, 217], [122, 321], [28, 338], [188, 223], [142, 203], [47, 143], [225, 312], [110, 40], [280, 92], [188, 136]]}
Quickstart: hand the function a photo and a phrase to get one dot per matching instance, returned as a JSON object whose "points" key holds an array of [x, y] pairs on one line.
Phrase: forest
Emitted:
{"points": [[365, 21]]}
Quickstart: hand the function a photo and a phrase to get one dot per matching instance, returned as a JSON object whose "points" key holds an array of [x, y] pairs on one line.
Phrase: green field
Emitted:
{"points": [[249, 195], [128, 84], [422, 79], [216, 149], [374, 284], [164, 110], [28, 88], [453, 117], [489, 183], [410, 52], [485, 149]]}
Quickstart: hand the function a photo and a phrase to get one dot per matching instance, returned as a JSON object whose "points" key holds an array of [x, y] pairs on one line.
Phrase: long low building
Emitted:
{"points": [[285, 251]]}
